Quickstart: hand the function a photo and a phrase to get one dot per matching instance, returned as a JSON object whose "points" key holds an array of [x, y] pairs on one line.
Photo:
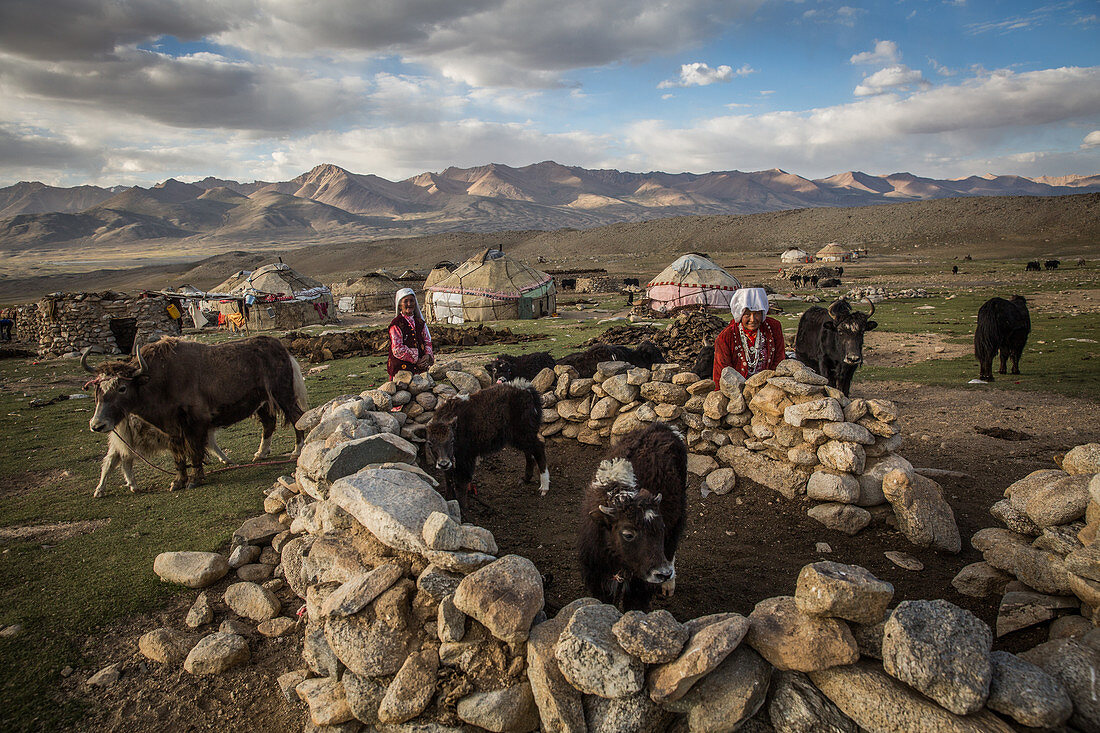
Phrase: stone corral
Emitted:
{"points": [[66, 323], [598, 284]]}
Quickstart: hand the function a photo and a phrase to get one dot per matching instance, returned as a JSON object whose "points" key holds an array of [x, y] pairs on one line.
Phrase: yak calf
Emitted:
{"points": [[467, 427], [133, 437], [505, 367], [633, 517]]}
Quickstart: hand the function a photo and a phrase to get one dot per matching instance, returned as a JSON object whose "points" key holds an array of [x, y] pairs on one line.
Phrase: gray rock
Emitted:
{"points": [[106, 676], [349, 458], [1060, 501], [317, 654], [217, 653], [463, 382], [848, 431], [1085, 562], [980, 579], [327, 702], [437, 582], [559, 703], [243, 555], [511, 710], [252, 601], [708, 646], [442, 532], [1066, 627], [842, 591], [1009, 516], [924, 516], [844, 518], [200, 612], [450, 622], [192, 569], [635, 713], [1061, 540], [877, 702], [796, 706], [721, 481], [1020, 609], [367, 648], [825, 408], [940, 650], [235, 626], [364, 695], [1082, 460], [829, 486], [280, 626], [288, 681], [591, 658], [354, 595], [393, 505], [504, 596], [870, 481], [776, 475], [1026, 693], [791, 640], [164, 645], [1075, 665], [654, 638], [259, 530], [841, 456], [255, 572], [412, 688], [1038, 569], [728, 696]]}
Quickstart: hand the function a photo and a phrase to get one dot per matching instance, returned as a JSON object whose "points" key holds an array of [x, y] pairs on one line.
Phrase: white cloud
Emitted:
{"points": [[700, 74], [892, 78], [884, 52], [1092, 140], [940, 68]]}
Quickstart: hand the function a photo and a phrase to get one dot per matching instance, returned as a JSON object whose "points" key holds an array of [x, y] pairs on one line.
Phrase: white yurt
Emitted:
{"points": [[795, 256], [692, 280], [491, 286]]}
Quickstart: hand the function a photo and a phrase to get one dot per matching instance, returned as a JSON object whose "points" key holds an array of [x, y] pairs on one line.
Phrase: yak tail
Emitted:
{"points": [[300, 396]]}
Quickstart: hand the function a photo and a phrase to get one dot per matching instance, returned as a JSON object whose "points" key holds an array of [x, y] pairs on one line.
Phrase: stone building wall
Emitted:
{"points": [[66, 323], [598, 284]]}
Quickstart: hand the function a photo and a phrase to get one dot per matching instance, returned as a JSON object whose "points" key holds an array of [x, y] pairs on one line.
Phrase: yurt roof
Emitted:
{"points": [[695, 270], [372, 283], [832, 249], [493, 274], [796, 251], [277, 278]]}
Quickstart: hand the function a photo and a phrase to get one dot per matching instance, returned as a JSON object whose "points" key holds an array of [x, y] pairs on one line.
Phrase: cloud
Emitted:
{"points": [[1092, 140], [844, 15], [699, 74], [885, 52], [940, 68], [892, 78], [936, 130]]}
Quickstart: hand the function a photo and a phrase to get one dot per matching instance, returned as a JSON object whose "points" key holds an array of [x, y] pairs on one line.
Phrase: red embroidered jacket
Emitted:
{"points": [[729, 352]]}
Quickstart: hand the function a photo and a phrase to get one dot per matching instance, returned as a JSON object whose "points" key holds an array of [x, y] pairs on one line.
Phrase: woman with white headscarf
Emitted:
{"points": [[410, 341], [752, 342]]}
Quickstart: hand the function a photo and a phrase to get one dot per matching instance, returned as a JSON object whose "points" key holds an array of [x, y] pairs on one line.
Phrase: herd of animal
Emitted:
{"points": [[633, 510]]}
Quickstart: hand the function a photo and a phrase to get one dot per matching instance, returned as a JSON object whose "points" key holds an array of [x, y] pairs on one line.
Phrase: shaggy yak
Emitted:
{"points": [[505, 368], [645, 355], [467, 427], [1003, 325], [633, 517], [831, 341]]}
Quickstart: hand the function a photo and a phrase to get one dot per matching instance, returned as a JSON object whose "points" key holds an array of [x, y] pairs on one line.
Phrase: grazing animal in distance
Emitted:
{"points": [[1034, 265], [1052, 264], [831, 341], [633, 517], [133, 437], [506, 367], [186, 389], [813, 280], [954, 269], [1003, 326], [467, 427], [831, 282], [839, 272]]}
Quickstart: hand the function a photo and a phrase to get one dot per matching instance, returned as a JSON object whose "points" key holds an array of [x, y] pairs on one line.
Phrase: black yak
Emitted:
{"points": [[505, 367], [831, 341], [1003, 325]]}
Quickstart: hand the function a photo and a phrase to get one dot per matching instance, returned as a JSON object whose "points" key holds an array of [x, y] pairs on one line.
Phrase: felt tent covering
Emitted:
{"points": [[795, 255], [491, 286], [303, 300], [369, 292], [691, 280]]}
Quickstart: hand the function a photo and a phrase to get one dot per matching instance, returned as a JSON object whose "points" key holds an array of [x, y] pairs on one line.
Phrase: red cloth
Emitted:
{"points": [[407, 345], [728, 350]]}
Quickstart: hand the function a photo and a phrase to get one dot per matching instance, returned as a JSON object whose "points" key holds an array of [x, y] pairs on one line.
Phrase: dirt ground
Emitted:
{"points": [[738, 549]]}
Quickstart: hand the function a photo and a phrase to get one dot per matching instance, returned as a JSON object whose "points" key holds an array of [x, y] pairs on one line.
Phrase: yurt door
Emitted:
{"points": [[526, 308]]}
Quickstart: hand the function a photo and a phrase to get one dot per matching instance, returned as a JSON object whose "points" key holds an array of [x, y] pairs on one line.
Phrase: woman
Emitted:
{"points": [[410, 341], [752, 342]]}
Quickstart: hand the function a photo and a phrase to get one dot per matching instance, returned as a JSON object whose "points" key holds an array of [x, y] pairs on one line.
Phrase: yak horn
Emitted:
{"points": [[872, 306], [84, 360], [839, 309], [142, 366], [607, 510]]}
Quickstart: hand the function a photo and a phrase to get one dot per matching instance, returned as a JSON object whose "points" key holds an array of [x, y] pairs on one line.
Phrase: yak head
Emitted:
{"points": [[649, 353], [848, 327], [501, 370], [633, 523], [117, 386], [440, 444]]}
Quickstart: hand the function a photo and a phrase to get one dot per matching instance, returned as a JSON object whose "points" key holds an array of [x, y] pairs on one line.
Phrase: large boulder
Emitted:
{"points": [[792, 640], [591, 658], [842, 591], [727, 697], [655, 638], [510, 710], [393, 505], [411, 689], [796, 706], [706, 649], [940, 650], [252, 601], [192, 569], [505, 596], [1073, 663], [217, 653], [924, 516], [1084, 460], [326, 700], [368, 648], [559, 703], [348, 458], [1026, 693], [776, 475]]}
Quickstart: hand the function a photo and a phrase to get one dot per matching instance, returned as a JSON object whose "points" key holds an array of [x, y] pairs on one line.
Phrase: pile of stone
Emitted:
{"points": [[598, 284], [879, 294], [376, 342], [1046, 562], [63, 324], [681, 340]]}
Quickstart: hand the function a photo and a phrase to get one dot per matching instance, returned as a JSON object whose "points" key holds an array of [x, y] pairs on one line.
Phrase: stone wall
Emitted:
{"points": [[598, 284], [66, 323]]}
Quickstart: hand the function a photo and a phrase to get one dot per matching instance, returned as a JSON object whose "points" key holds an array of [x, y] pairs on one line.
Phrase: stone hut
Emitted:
{"points": [[65, 323]]}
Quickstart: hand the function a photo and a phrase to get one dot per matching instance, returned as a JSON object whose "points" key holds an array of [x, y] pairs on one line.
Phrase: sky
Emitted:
{"points": [[110, 92]]}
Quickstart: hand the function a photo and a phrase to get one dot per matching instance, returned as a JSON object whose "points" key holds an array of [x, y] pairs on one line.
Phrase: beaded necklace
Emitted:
{"points": [[752, 353]]}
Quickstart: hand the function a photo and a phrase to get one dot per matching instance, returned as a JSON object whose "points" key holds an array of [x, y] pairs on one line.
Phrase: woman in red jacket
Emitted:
{"points": [[752, 342], [410, 341]]}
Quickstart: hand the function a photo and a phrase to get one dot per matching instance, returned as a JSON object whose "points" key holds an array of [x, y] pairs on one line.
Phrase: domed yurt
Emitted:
{"points": [[691, 280], [833, 252], [795, 256], [274, 296], [370, 292], [491, 286]]}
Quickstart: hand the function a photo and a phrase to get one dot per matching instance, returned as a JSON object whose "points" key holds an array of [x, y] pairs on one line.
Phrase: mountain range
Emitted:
{"points": [[329, 202]]}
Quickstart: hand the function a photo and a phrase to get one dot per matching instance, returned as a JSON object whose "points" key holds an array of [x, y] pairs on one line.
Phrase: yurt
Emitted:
{"points": [[274, 296], [833, 252], [795, 256], [491, 286], [370, 292], [691, 280]]}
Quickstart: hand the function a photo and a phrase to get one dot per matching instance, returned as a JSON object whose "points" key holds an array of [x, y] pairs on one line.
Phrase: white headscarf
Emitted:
{"points": [[401, 295], [752, 299]]}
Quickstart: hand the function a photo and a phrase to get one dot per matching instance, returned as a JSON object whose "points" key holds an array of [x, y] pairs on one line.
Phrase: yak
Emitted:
{"points": [[1003, 325], [1033, 265], [633, 516], [467, 427], [831, 341], [505, 367], [186, 389], [1051, 264], [645, 355]]}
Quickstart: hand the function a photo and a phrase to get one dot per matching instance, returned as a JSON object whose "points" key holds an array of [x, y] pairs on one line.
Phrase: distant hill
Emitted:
{"points": [[329, 202]]}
